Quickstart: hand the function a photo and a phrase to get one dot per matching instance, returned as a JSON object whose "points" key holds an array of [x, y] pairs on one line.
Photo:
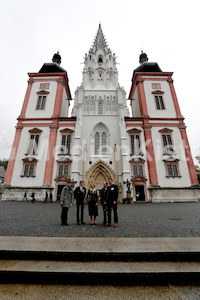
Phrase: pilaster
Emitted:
{"points": [[153, 179], [48, 175], [188, 155], [11, 163], [26, 99], [142, 97], [58, 99]]}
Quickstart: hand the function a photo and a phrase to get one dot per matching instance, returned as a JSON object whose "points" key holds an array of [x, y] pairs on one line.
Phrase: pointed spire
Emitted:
{"points": [[99, 41]]}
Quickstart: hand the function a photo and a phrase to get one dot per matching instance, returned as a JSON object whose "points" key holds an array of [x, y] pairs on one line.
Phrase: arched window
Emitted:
{"points": [[97, 143], [100, 108], [100, 59], [101, 139], [103, 143]]}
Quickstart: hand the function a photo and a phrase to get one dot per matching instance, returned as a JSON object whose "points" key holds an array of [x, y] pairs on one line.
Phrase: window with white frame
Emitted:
{"points": [[41, 102], [167, 141], [137, 167], [172, 168], [135, 144], [29, 168], [167, 144], [63, 170], [34, 141], [66, 144], [159, 102], [137, 170]]}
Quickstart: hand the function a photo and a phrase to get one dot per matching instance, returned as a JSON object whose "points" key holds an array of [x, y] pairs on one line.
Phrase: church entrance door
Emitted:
{"points": [[139, 193], [59, 191]]}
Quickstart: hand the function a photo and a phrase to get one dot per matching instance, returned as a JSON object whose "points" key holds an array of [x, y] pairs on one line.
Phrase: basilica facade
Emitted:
{"points": [[147, 149]]}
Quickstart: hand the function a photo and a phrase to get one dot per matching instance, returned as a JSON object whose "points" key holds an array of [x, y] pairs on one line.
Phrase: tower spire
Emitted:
{"points": [[99, 41]]}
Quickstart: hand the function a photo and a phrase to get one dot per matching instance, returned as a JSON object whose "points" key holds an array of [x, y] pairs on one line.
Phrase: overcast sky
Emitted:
{"points": [[32, 31]]}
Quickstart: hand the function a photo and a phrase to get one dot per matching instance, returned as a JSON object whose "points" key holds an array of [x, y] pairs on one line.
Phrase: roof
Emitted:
{"points": [[147, 67], [52, 68]]}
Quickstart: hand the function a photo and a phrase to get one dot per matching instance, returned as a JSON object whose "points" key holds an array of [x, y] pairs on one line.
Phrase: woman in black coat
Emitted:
{"points": [[92, 200]]}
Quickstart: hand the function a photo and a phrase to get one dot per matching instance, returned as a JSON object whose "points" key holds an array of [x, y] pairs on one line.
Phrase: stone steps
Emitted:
{"points": [[31, 271], [99, 260]]}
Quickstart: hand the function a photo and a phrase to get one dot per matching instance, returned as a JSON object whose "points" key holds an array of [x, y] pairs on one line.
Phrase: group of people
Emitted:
{"points": [[108, 199]]}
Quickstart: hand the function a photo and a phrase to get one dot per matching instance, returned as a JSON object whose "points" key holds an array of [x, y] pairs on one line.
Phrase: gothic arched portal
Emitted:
{"points": [[98, 173]]}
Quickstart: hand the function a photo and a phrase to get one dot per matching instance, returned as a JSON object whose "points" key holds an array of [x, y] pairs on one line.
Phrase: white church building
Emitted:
{"points": [[100, 139]]}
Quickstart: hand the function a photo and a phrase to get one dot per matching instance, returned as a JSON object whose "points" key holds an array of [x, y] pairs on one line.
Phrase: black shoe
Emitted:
{"points": [[83, 223]]}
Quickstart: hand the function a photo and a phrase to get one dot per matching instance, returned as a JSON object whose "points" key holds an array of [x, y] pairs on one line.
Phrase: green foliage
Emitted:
{"points": [[4, 163], [197, 168]]}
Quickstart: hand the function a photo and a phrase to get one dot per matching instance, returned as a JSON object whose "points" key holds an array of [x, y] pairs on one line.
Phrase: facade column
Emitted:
{"points": [[11, 163], [116, 164], [188, 155], [48, 175], [153, 179], [174, 97], [84, 162], [58, 99], [26, 99], [142, 97]]}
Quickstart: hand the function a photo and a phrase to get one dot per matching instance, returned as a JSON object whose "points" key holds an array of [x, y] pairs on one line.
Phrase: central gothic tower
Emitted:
{"points": [[100, 138]]}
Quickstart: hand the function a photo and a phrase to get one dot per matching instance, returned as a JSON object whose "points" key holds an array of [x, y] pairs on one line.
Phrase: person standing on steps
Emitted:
{"points": [[103, 202], [66, 201], [112, 196], [92, 200], [79, 195]]}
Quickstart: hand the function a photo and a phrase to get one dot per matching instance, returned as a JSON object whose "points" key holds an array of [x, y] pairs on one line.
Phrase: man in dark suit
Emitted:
{"points": [[112, 196], [79, 195], [103, 202]]}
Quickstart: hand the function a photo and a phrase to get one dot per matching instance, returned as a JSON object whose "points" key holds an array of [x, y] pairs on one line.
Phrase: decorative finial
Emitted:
{"points": [[99, 23], [57, 58], [143, 57]]}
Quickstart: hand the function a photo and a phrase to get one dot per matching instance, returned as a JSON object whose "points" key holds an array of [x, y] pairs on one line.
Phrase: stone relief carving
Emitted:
{"points": [[110, 103]]}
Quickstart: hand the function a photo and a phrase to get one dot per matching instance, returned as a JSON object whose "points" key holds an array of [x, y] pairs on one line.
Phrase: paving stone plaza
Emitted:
{"points": [[33, 233], [135, 220]]}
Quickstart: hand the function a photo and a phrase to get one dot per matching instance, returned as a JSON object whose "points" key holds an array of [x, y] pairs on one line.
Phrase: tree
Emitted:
{"points": [[4, 163], [197, 167]]}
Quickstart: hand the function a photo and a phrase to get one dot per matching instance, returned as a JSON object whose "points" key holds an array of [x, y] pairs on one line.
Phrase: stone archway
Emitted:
{"points": [[98, 173]]}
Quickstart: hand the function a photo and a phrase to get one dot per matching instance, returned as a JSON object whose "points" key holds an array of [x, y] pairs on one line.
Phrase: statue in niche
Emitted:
{"points": [[100, 77]]}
